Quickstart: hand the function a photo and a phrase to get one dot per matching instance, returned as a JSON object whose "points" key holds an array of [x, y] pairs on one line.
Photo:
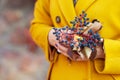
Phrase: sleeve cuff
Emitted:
{"points": [[111, 64]]}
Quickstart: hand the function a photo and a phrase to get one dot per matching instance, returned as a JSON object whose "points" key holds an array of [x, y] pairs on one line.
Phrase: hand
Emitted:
{"points": [[96, 26], [87, 52], [53, 42], [100, 51], [62, 49]]}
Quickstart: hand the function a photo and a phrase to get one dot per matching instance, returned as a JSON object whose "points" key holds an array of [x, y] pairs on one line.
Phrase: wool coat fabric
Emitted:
{"points": [[58, 13]]}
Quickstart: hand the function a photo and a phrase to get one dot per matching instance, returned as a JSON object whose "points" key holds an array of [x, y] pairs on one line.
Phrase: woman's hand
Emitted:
{"points": [[53, 42], [62, 49], [100, 51]]}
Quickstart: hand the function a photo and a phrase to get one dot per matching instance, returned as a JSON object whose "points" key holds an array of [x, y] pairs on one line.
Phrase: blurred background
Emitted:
{"points": [[20, 58]]}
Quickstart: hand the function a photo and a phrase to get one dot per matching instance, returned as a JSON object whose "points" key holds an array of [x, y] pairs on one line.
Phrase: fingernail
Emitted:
{"points": [[95, 20], [100, 28], [56, 45]]}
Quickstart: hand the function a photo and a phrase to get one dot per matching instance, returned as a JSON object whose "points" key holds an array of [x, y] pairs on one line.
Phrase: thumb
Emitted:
{"points": [[95, 27]]}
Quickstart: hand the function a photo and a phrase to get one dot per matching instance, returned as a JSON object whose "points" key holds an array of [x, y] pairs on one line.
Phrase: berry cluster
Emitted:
{"points": [[74, 37]]}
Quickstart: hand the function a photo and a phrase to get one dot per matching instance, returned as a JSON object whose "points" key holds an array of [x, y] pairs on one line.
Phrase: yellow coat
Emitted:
{"points": [[107, 11]]}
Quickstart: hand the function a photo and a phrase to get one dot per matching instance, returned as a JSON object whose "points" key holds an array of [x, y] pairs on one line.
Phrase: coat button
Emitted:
{"points": [[58, 20]]}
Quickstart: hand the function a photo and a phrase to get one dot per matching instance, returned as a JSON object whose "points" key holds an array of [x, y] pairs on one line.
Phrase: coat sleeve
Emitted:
{"points": [[111, 64], [41, 25]]}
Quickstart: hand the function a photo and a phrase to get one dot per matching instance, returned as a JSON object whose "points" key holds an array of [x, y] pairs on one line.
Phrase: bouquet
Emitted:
{"points": [[81, 38]]}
